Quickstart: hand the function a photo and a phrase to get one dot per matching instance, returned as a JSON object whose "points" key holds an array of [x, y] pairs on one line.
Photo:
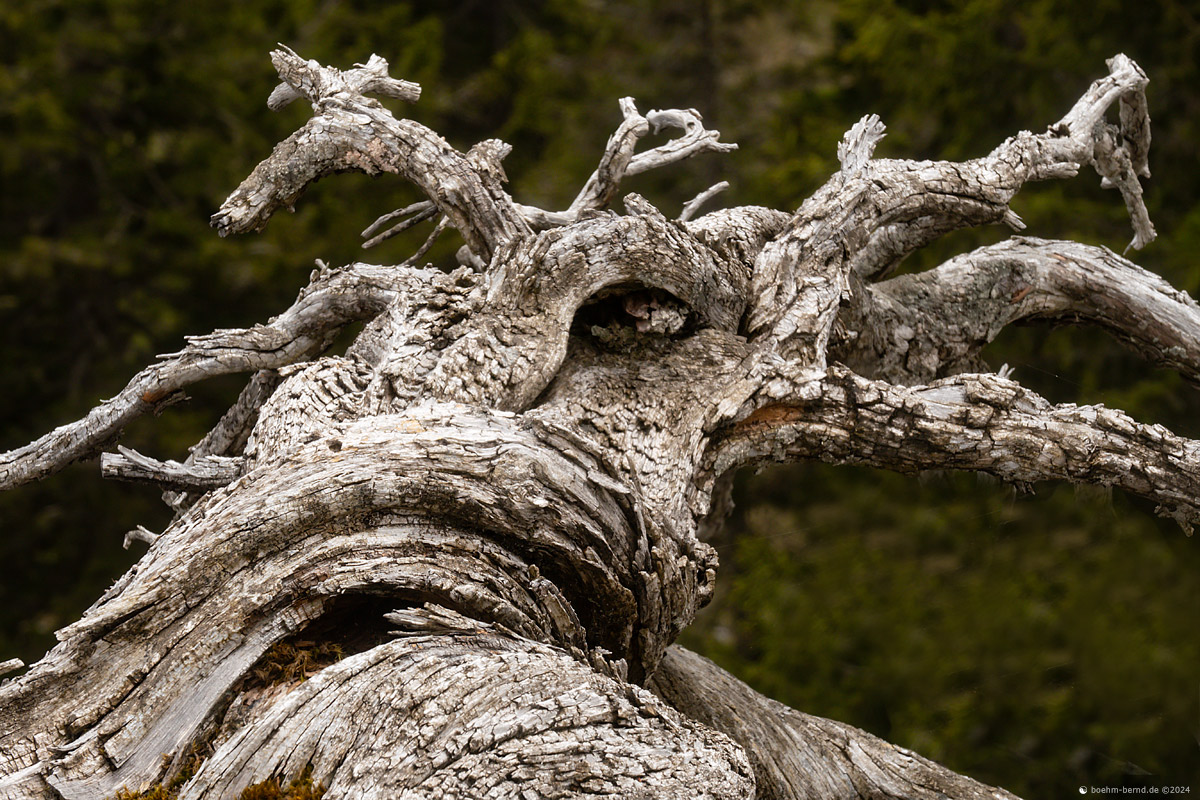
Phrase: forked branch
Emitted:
{"points": [[353, 132], [310, 80], [978, 192], [874, 212], [333, 300], [620, 161]]}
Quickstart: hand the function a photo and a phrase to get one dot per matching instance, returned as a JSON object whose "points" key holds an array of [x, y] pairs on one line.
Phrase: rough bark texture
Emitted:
{"points": [[479, 530]]}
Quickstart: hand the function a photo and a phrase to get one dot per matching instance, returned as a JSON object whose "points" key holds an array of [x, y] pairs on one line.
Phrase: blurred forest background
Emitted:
{"points": [[1040, 642]]}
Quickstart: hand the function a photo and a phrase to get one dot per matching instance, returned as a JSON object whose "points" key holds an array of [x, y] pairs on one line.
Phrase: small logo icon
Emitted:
{"points": [[1083, 790]]}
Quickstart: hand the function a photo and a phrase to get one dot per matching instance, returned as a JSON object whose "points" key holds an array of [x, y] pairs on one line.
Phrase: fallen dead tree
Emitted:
{"points": [[452, 561]]}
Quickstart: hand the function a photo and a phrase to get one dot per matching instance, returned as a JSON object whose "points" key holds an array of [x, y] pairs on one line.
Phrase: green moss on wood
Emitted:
{"points": [[301, 788], [170, 789]]}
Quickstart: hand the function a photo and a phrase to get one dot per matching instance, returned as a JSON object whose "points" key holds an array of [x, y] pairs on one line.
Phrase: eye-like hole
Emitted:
{"points": [[618, 316]]}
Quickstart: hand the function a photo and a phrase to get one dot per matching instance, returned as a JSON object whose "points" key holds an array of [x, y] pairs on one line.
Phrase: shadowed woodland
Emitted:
{"points": [[1037, 642]]}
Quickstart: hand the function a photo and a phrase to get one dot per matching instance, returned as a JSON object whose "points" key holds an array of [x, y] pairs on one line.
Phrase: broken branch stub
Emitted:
{"points": [[352, 132], [318, 84]]}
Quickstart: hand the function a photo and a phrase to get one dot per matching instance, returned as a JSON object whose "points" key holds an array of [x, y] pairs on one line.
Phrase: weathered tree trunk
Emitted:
{"points": [[478, 531]]}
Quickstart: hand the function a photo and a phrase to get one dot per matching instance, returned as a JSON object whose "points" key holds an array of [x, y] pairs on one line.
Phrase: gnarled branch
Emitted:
{"points": [[872, 213], [950, 196], [330, 302], [351, 132], [915, 328], [619, 159], [971, 422]]}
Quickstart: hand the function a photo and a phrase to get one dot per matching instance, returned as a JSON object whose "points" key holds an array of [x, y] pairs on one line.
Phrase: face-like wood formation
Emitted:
{"points": [[493, 506]]}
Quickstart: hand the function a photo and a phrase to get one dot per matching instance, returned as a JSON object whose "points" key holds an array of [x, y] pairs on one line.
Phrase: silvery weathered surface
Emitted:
{"points": [[496, 501]]}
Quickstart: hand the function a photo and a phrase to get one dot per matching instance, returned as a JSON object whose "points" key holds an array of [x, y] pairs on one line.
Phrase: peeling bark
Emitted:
{"points": [[493, 509]]}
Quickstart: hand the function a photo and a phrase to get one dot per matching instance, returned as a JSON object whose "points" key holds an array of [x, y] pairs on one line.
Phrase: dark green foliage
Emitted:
{"points": [[1038, 643], [1035, 642]]}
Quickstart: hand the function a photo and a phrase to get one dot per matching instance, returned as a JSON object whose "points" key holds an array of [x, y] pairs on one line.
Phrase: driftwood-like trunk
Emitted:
{"points": [[478, 532]]}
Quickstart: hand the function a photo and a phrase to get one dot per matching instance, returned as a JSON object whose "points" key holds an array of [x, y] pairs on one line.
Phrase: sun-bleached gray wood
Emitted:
{"points": [[498, 499]]}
